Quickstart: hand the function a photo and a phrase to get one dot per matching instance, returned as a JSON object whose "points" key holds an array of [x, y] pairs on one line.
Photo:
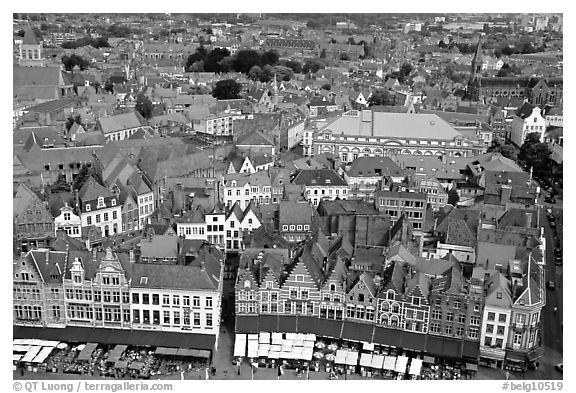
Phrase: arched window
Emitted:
{"points": [[332, 287], [385, 306], [390, 295], [360, 297], [384, 319], [394, 320], [395, 308]]}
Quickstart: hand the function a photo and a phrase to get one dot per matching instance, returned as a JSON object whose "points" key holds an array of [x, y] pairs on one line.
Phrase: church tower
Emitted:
{"points": [[31, 50], [472, 90]]}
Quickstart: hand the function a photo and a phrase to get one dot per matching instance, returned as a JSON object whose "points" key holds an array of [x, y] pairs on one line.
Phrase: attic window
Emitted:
{"points": [[499, 295], [144, 280]]}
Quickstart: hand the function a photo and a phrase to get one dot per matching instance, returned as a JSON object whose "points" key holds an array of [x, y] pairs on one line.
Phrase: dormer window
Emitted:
{"points": [[88, 207], [113, 202], [143, 280], [390, 295], [101, 202], [77, 279]]}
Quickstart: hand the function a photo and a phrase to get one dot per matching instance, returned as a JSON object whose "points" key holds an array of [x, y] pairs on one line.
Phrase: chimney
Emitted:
{"points": [[506, 193], [528, 223], [94, 252]]}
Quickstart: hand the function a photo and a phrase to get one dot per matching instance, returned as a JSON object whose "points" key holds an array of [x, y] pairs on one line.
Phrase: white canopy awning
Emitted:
{"points": [[276, 336], [16, 357], [275, 348], [31, 354], [401, 364], [274, 355], [264, 338], [291, 336], [298, 343], [263, 350], [310, 337], [340, 356], [286, 355], [252, 348], [389, 363], [307, 353], [308, 344], [377, 361], [351, 358], [366, 360], [415, 366], [240, 345], [253, 337], [42, 355], [367, 346], [20, 348]]}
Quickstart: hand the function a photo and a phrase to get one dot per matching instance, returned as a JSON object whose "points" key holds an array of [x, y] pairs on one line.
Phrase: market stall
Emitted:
{"points": [[366, 364], [415, 366], [401, 364], [351, 361], [240, 346]]}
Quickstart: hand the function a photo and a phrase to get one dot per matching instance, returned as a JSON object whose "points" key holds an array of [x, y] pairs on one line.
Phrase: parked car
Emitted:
{"points": [[558, 261], [557, 252], [550, 285]]}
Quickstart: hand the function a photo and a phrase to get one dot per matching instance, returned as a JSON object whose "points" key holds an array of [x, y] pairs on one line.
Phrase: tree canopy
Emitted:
{"points": [[226, 89], [144, 105], [536, 155], [70, 62], [381, 97]]}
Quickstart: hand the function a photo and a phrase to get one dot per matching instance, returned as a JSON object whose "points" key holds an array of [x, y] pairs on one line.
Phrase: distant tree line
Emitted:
{"points": [[86, 41]]}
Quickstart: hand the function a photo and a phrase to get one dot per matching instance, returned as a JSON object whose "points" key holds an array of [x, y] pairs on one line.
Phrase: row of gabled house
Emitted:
{"points": [[391, 296], [75, 294]]}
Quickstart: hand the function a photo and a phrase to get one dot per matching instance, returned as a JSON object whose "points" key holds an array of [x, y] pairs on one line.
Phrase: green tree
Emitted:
{"points": [[270, 57], [245, 60], [82, 176], [381, 97], [255, 73], [226, 89], [71, 120], [453, 197], [536, 155], [144, 105]]}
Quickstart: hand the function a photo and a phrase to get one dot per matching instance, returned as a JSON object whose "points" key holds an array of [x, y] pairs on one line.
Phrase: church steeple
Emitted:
{"points": [[475, 70], [31, 49]]}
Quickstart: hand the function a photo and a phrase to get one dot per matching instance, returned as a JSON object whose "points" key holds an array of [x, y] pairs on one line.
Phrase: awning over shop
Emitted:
{"points": [[515, 356], [377, 362], [535, 354], [413, 341], [435, 345], [366, 360], [269, 323], [16, 357], [329, 328], [274, 355], [248, 324], [31, 354], [415, 366], [118, 350], [340, 356], [389, 363], [350, 331], [307, 324], [42, 355], [386, 336], [351, 358], [86, 352], [471, 367], [471, 350], [107, 336], [401, 364], [286, 324], [159, 351], [452, 348]]}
